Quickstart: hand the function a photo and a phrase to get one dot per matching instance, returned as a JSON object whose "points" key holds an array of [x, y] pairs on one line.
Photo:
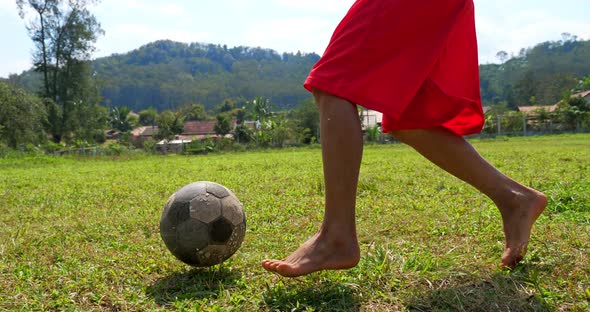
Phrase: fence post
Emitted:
{"points": [[524, 119], [499, 125]]}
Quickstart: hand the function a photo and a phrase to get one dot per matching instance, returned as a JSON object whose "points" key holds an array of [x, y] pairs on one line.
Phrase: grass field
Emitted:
{"points": [[82, 233]]}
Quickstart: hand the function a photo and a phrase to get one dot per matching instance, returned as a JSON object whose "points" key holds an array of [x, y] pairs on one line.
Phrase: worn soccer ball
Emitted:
{"points": [[203, 224]]}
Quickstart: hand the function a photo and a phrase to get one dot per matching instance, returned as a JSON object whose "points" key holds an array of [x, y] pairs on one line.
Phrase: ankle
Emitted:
{"points": [[509, 195], [337, 232]]}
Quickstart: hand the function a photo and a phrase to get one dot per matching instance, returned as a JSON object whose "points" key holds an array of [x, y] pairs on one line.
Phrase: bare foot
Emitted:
{"points": [[518, 216], [318, 253]]}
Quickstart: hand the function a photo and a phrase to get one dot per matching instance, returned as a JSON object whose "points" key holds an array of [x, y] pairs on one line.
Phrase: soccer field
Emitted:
{"points": [[83, 233]]}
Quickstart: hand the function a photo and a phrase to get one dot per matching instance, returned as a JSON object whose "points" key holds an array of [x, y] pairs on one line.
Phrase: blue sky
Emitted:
{"points": [[285, 25]]}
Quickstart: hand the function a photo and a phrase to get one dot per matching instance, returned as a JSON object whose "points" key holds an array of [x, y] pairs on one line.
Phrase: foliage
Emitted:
{"points": [[260, 108], [193, 112], [242, 134], [544, 72], [64, 33], [169, 124], [306, 122], [21, 117], [225, 106], [223, 125], [119, 119], [512, 122], [149, 145], [169, 75], [373, 133], [279, 131], [148, 117]]}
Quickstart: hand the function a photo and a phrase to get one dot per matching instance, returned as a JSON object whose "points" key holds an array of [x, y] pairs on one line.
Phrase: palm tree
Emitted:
{"points": [[119, 118], [261, 108]]}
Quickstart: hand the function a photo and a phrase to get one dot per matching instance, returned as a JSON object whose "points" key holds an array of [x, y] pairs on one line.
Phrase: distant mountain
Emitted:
{"points": [[538, 75], [167, 74]]}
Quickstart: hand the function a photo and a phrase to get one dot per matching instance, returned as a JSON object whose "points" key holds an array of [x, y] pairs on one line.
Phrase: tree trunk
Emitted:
{"points": [[44, 53]]}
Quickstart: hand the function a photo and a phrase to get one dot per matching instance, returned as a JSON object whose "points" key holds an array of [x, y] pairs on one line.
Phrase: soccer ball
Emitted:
{"points": [[203, 224]]}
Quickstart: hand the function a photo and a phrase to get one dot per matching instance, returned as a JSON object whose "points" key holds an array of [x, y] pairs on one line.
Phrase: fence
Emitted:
{"points": [[517, 123], [514, 124]]}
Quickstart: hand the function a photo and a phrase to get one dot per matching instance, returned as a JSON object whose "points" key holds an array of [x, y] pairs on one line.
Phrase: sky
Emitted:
{"points": [[285, 25]]}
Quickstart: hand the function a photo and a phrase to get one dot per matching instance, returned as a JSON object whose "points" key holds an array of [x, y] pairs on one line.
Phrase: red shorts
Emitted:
{"points": [[414, 61]]}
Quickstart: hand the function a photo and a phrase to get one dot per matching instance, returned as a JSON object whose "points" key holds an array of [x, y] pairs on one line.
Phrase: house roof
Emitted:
{"points": [[582, 94], [145, 131], [199, 127], [532, 109], [173, 142]]}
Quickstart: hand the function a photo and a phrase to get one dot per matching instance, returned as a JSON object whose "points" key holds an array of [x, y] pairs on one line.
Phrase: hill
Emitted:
{"points": [[538, 75], [167, 74]]}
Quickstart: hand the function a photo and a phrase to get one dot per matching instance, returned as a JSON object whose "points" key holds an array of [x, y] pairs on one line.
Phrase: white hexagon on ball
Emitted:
{"points": [[232, 210], [205, 207]]}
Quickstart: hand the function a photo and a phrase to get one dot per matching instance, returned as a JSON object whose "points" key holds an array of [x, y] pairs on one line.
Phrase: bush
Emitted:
{"points": [[149, 145], [51, 147], [114, 149], [224, 144]]}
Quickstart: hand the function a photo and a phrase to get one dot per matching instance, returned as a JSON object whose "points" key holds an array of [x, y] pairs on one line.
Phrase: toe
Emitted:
{"points": [[268, 264], [511, 257], [275, 265]]}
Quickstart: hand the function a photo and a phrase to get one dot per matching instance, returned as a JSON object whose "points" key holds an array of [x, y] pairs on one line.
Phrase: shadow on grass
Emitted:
{"points": [[325, 296], [506, 291], [192, 284]]}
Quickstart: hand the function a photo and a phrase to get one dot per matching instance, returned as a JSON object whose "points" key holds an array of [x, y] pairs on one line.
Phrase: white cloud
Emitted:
{"points": [[327, 6], [126, 37], [526, 29], [306, 33], [147, 9], [171, 9]]}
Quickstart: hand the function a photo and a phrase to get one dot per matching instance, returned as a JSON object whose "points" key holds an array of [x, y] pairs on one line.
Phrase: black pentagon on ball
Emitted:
{"points": [[203, 224], [220, 231]]}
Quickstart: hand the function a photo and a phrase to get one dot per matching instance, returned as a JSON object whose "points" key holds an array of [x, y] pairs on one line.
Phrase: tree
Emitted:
{"points": [[64, 33], [169, 124], [240, 116], [542, 116], [579, 102], [526, 88], [21, 117], [193, 112], [119, 119], [223, 125], [147, 117], [307, 119], [260, 108], [502, 56], [242, 134], [225, 106], [279, 131]]}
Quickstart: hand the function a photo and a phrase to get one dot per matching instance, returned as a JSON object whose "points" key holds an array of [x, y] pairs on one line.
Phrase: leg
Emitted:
{"points": [[519, 205], [335, 246]]}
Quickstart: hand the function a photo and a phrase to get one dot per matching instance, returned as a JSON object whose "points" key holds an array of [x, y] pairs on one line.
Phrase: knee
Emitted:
{"points": [[321, 96], [324, 99]]}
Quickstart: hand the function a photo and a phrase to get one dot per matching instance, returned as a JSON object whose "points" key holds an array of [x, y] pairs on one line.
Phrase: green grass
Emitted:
{"points": [[82, 234]]}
